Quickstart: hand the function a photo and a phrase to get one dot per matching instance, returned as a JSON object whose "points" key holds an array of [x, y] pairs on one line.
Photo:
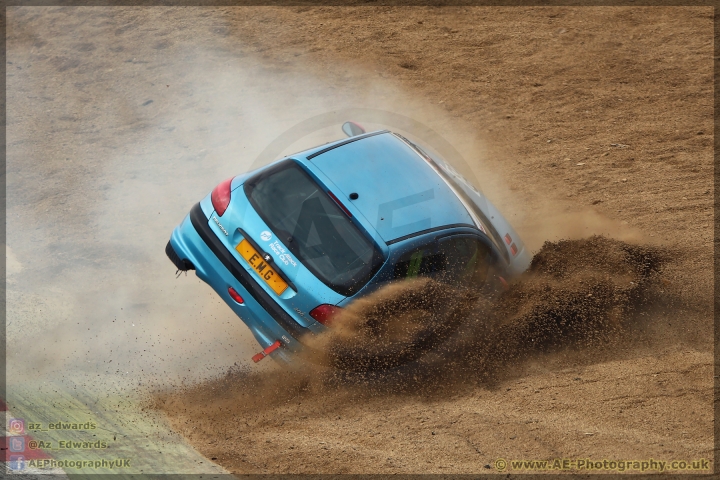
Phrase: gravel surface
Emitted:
{"points": [[575, 121]]}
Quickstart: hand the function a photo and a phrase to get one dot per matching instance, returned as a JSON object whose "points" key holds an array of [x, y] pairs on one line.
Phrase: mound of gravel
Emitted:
{"points": [[422, 334], [576, 293]]}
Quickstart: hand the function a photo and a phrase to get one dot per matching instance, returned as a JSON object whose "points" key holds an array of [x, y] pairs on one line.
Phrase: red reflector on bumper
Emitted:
{"points": [[235, 296], [266, 352], [513, 249], [508, 240]]}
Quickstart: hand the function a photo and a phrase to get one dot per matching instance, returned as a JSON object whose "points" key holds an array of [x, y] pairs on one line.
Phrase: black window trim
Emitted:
{"points": [[434, 229], [345, 142]]}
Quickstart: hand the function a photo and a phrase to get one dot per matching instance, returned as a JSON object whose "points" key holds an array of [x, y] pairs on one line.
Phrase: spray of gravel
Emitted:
{"points": [[579, 297]]}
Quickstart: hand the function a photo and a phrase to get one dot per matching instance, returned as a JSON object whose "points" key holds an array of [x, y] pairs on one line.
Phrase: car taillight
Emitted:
{"points": [[221, 197], [324, 313]]}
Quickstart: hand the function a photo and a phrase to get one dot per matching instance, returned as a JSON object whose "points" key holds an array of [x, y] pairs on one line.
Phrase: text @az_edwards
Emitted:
{"points": [[39, 427], [66, 445]]}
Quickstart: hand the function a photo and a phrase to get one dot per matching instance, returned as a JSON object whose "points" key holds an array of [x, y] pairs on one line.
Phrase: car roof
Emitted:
{"points": [[399, 193]]}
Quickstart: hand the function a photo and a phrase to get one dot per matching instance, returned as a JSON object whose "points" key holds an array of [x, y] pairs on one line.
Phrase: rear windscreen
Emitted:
{"points": [[313, 227]]}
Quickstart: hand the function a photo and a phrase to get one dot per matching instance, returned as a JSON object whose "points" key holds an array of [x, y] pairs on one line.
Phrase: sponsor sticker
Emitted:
{"points": [[282, 254]]}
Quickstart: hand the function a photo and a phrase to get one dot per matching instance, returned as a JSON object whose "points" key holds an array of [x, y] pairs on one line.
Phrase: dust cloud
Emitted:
{"points": [[130, 140]]}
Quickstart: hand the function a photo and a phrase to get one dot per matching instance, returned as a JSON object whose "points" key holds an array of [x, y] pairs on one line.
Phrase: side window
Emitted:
{"points": [[467, 259], [420, 261], [457, 259]]}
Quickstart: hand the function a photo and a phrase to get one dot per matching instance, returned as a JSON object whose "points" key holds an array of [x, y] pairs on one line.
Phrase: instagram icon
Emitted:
{"points": [[16, 426]]}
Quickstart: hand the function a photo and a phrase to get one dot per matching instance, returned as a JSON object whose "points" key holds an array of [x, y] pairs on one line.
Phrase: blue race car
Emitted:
{"points": [[290, 244]]}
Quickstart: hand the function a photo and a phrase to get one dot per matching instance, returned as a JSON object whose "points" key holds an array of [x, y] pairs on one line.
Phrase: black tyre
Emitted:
{"points": [[181, 264]]}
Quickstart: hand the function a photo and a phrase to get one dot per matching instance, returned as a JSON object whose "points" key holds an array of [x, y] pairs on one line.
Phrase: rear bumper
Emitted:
{"points": [[195, 242]]}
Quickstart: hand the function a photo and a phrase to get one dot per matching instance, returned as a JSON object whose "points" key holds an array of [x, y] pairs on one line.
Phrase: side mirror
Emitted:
{"points": [[352, 129]]}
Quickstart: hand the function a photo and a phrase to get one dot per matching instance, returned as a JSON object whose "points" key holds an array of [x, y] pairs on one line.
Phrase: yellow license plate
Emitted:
{"points": [[262, 268]]}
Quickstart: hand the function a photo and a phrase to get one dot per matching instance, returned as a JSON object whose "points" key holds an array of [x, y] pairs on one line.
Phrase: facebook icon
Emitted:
{"points": [[17, 462]]}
